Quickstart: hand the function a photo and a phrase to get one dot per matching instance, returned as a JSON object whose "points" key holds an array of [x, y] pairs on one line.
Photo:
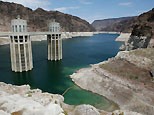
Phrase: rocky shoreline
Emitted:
{"points": [[131, 92], [133, 96], [21, 100], [123, 37], [135, 42], [65, 35]]}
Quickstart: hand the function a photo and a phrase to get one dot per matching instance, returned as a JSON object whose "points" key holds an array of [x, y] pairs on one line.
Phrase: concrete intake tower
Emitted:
{"points": [[20, 46], [54, 41]]}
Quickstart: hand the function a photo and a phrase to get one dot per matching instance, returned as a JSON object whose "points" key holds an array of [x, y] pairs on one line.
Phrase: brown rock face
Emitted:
{"points": [[37, 19], [144, 26]]}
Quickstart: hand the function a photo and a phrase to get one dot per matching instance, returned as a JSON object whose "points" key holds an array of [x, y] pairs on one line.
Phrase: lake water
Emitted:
{"points": [[53, 77]]}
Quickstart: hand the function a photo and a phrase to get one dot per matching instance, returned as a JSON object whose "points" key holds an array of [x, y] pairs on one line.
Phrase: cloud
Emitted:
{"points": [[125, 3], [85, 2], [65, 9], [32, 3]]}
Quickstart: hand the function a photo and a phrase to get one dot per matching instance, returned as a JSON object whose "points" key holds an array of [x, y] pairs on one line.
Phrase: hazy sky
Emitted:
{"points": [[92, 9]]}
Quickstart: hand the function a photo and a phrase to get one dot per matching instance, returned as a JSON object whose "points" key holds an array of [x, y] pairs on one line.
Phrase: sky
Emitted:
{"points": [[91, 10]]}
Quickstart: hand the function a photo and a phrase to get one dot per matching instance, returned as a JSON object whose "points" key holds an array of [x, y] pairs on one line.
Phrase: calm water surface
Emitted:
{"points": [[53, 77]]}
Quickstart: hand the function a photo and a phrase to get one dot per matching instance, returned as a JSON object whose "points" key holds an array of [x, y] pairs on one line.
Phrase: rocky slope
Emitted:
{"points": [[144, 25], [18, 100], [21, 100], [143, 32], [142, 35], [126, 79], [37, 19], [114, 24]]}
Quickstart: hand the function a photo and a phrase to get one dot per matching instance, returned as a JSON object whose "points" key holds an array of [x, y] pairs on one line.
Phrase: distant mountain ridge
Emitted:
{"points": [[114, 24], [142, 25], [37, 19]]}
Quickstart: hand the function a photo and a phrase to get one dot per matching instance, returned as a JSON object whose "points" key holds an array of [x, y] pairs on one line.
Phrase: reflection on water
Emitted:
{"points": [[23, 78], [54, 74]]}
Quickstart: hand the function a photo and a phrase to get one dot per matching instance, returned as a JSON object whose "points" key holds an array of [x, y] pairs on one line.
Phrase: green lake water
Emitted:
{"points": [[53, 76]]}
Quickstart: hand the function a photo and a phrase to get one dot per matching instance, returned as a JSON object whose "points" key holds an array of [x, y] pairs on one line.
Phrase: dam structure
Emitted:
{"points": [[20, 46], [54, 41]]}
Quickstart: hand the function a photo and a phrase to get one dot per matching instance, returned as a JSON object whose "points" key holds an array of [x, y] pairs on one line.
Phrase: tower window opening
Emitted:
{"points": [[19, 28], [26, 38], [21, 38], [56, 36], [23, 28], [16, 28], [13, 28], [15, 38], [11, 38]]}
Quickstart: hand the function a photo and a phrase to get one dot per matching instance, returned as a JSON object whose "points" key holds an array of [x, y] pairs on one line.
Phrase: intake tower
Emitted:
{"points": [[54, 41], [20, 46]]}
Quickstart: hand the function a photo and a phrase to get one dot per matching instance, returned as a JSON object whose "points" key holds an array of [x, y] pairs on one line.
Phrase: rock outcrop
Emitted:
{"points": [[144, 25], [142, 32], [125, 79], [123, 37], [135, 42], [119, 112], [85, 110], [20, 100], [141, 28], [37, 19]]}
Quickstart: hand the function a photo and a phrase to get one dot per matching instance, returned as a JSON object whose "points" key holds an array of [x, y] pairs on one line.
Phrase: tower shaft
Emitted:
{"points": [[54, 47], [20, 46]]}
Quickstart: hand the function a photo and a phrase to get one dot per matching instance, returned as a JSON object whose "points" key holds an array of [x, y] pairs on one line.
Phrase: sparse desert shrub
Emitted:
{"points": [[56, 102], [51, 97], [122, 113], [17, 113], [136, 77], [65, 112], [29, 95]]}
